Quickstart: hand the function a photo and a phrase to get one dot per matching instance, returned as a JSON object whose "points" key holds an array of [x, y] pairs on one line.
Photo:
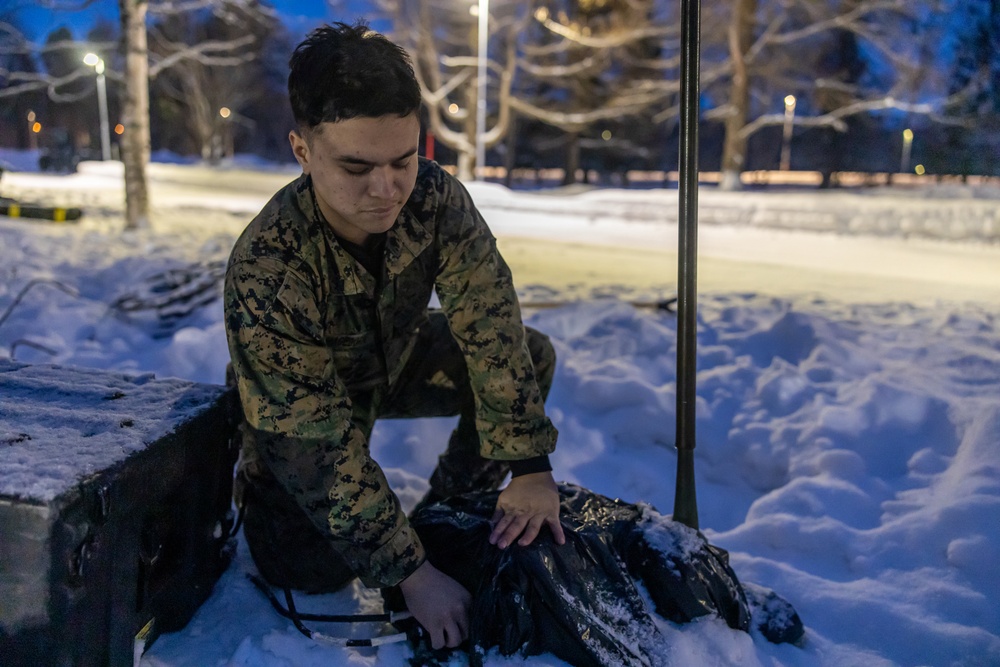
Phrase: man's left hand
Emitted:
{"points": [[528, 503]]}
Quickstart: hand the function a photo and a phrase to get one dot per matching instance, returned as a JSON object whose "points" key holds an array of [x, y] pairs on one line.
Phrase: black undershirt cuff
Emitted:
{"points": [[529, 466]]}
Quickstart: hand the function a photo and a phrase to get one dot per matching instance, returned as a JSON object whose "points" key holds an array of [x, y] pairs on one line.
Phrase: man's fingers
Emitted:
{"points": [[513, 530], [439, 603], [506, 534], [531, 530], [452, 635], [503, 526], [557, 530], [437, 637], [510, 527], [500, 521]]}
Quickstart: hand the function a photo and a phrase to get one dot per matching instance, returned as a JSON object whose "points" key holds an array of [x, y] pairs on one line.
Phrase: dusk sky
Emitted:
{"points": [[299, 15]]}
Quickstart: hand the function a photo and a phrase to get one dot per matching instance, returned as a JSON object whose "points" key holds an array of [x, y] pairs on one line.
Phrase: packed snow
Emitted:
{"points": [[848, 449], [61, 425]]}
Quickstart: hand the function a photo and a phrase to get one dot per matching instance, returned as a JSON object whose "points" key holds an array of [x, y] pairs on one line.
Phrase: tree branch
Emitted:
{"points": [[207, 53]]}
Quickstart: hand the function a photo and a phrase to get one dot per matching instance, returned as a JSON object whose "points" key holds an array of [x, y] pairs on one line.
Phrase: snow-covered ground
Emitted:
{"points": [[848, 391]]}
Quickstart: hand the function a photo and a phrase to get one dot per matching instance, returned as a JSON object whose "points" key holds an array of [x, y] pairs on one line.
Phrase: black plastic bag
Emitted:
{"points": [[580, 601]]}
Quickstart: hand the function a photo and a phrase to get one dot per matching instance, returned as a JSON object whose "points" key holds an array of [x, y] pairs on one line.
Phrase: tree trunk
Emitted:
{"points": [[135, 140], [741, 30], [572, 158], [510, 155], [467, 149]]}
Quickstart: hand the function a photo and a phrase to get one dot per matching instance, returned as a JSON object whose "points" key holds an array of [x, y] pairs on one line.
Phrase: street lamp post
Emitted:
{"points": [[97, 63], [904, 162], [32, 132], [786, 144], [481, 57]]}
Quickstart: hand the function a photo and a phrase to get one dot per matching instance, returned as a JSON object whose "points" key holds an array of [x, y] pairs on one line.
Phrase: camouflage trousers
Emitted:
{"points": [[286, 546]]}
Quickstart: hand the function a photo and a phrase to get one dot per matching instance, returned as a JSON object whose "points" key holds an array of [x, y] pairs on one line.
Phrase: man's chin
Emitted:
{"points": [[382, 221]]}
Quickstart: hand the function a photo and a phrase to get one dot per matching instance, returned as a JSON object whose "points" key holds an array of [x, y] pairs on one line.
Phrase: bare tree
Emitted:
{"points": [[25, 78], [773, 51], [136, 17], [200, 65], [16, 110], [442, 37], [135, 140], [139, 70], [569, 64], [600, 71]]}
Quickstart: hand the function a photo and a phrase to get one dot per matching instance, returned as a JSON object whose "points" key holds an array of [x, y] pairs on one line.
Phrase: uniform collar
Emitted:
{"points": [[404, 241]]}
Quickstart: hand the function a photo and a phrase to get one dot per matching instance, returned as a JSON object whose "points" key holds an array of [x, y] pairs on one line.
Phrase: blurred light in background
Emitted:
{"points": [[904, 161], [786, 143]]}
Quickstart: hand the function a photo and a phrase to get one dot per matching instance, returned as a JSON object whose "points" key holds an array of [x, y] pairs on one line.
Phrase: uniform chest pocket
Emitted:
{"points": [[357, 359]]}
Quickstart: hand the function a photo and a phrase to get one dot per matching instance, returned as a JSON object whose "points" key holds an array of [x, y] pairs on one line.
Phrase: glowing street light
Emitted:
{"points": [[786, 144], [93, 60], [904, 162]]}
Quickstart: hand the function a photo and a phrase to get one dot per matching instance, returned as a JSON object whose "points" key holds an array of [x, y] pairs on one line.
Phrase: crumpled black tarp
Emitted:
{"points": [[580, 601]]}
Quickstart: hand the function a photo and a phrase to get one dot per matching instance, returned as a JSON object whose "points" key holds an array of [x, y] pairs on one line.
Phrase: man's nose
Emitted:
{"points": [[381, 184]]}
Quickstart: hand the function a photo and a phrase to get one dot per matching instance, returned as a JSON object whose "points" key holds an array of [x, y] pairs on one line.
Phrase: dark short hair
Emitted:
{"points": [[342, 71]]}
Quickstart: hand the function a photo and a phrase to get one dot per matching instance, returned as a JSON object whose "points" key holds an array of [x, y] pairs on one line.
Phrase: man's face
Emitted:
{"points": [[363, 171]]}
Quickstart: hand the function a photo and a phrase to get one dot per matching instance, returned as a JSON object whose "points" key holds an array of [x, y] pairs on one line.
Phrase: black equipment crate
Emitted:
{"points": [[115, 510]]}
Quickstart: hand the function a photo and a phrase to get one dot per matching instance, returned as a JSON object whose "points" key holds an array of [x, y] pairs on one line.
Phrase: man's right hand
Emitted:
{"points": [[439, 603]]}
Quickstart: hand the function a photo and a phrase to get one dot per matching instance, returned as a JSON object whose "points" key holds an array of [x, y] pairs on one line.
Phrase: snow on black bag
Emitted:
{"points": [[580, 601], [115, 497]]}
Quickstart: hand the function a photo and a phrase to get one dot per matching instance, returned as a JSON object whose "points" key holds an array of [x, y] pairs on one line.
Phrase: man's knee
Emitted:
{"points": [[543, 357], [288, 550]]}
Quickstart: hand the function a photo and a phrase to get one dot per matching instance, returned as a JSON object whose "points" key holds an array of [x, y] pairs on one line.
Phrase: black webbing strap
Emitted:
{"points": [[296, 617]]}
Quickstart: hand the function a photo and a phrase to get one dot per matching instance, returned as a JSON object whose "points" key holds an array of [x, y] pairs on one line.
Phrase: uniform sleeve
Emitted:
{"points": [[477, 294], [301, 415]]}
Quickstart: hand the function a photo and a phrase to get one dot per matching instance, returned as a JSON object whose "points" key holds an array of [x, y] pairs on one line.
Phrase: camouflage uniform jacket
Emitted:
{"points": [[307, 326]]}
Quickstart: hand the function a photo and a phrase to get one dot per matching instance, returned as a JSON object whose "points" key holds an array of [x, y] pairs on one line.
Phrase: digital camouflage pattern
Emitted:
{"points": [[311, 333]]}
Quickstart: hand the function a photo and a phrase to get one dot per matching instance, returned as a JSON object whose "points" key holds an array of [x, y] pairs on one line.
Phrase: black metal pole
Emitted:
{"points": [[685, 500]]}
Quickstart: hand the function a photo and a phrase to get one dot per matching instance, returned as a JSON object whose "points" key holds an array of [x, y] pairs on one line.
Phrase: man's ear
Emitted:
{"points": [[300, 149]]}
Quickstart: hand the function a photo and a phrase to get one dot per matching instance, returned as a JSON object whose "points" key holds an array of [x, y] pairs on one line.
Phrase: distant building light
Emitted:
{"points": [[606, 135], [37, 127], [119, 129], [919, 169], [225, 112]]}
